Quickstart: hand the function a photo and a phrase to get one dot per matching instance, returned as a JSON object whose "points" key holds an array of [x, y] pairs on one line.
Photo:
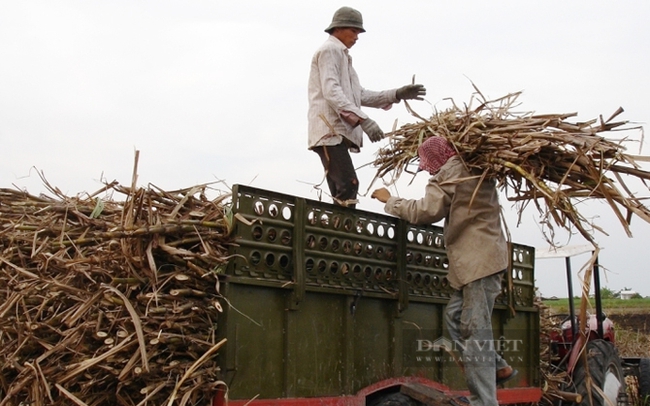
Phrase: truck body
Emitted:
{"points": [[329, 305]]}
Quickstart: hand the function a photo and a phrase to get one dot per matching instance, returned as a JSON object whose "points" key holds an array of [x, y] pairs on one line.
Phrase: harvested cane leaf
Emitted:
{"points": [[540, 158]]}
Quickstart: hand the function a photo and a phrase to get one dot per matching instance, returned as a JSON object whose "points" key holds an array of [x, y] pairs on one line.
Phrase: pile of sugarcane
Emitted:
{"points": [[543, 159], [109, 302]]}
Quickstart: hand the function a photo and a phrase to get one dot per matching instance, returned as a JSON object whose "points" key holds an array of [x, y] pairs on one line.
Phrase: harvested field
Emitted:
{"points": [[632, 321]]}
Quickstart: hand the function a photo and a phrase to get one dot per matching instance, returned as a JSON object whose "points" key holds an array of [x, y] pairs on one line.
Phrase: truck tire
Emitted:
{"points": [[396, 399], [606, 373], [644, 381]]}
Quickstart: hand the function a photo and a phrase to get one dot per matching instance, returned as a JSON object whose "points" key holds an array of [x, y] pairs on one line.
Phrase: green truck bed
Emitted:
{"points": [[322, 300]]}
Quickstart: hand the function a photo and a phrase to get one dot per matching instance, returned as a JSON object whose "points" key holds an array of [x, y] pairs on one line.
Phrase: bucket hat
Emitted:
{"points": [[346, 17]]}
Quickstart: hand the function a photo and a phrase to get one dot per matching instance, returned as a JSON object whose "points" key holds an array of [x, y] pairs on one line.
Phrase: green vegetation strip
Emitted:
{"points": [[609, 305]]}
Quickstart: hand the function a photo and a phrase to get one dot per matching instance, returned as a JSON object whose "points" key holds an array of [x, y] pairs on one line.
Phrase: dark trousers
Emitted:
{"points": [[339, 172]]}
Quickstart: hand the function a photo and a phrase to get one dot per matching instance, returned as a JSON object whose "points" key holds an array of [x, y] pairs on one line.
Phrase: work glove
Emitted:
{"points": [[411, 92], [371, 128]]}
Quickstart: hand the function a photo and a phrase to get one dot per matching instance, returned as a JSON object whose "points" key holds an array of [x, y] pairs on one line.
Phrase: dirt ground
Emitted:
{"points": [[632, 332], [633, 321]]}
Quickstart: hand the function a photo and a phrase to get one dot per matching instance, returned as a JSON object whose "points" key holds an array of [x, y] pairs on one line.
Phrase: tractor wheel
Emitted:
{"points": [[396, 399], [606, 374], [644, 381]]}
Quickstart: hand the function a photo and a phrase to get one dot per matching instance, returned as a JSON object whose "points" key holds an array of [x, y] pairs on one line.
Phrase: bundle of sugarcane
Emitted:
{"points": [[532, 156], [105, 302]]}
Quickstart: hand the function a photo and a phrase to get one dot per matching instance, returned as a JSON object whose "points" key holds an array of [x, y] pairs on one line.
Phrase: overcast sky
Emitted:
{"points": [[216, 90]]}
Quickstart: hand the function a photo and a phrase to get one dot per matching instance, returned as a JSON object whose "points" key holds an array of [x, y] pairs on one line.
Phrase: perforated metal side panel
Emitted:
{"points": [[289, 240]]}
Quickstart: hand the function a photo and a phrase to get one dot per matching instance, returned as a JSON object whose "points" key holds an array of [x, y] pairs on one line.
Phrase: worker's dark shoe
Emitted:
{"points": [[459, 401], [505, 374]]}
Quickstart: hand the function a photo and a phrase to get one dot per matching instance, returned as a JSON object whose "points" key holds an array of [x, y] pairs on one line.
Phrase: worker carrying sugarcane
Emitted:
{"points": [[336, 121], [478, 257]]}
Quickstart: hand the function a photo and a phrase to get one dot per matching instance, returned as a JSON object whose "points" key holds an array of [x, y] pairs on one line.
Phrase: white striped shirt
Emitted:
{"points": [[334, 88]]}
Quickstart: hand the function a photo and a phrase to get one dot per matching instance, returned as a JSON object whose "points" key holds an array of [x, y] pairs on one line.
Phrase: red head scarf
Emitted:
{"points": [[434, 152]]}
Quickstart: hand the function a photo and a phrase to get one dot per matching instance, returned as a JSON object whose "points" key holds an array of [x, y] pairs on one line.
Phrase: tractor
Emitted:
{"points": [[590, 358]]}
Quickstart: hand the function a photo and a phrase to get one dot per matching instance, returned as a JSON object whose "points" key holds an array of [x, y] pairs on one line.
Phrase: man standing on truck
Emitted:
{"points": [[478, 256], [336, 122]]}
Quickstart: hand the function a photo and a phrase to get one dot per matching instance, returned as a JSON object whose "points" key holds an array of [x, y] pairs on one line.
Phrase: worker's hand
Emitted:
{"points": [[411, 92], [381, 194], [371, 128]]}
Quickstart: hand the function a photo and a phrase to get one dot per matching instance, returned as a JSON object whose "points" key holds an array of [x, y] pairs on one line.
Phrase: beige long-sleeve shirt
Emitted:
{"points": [[334, 88], [476, 246]]}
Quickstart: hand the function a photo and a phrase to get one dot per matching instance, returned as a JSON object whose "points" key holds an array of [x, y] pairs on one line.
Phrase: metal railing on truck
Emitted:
{"points": [[325, 300]]}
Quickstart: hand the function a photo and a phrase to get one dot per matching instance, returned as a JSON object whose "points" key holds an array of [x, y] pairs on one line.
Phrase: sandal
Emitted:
{"points": [[504, 379]]}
